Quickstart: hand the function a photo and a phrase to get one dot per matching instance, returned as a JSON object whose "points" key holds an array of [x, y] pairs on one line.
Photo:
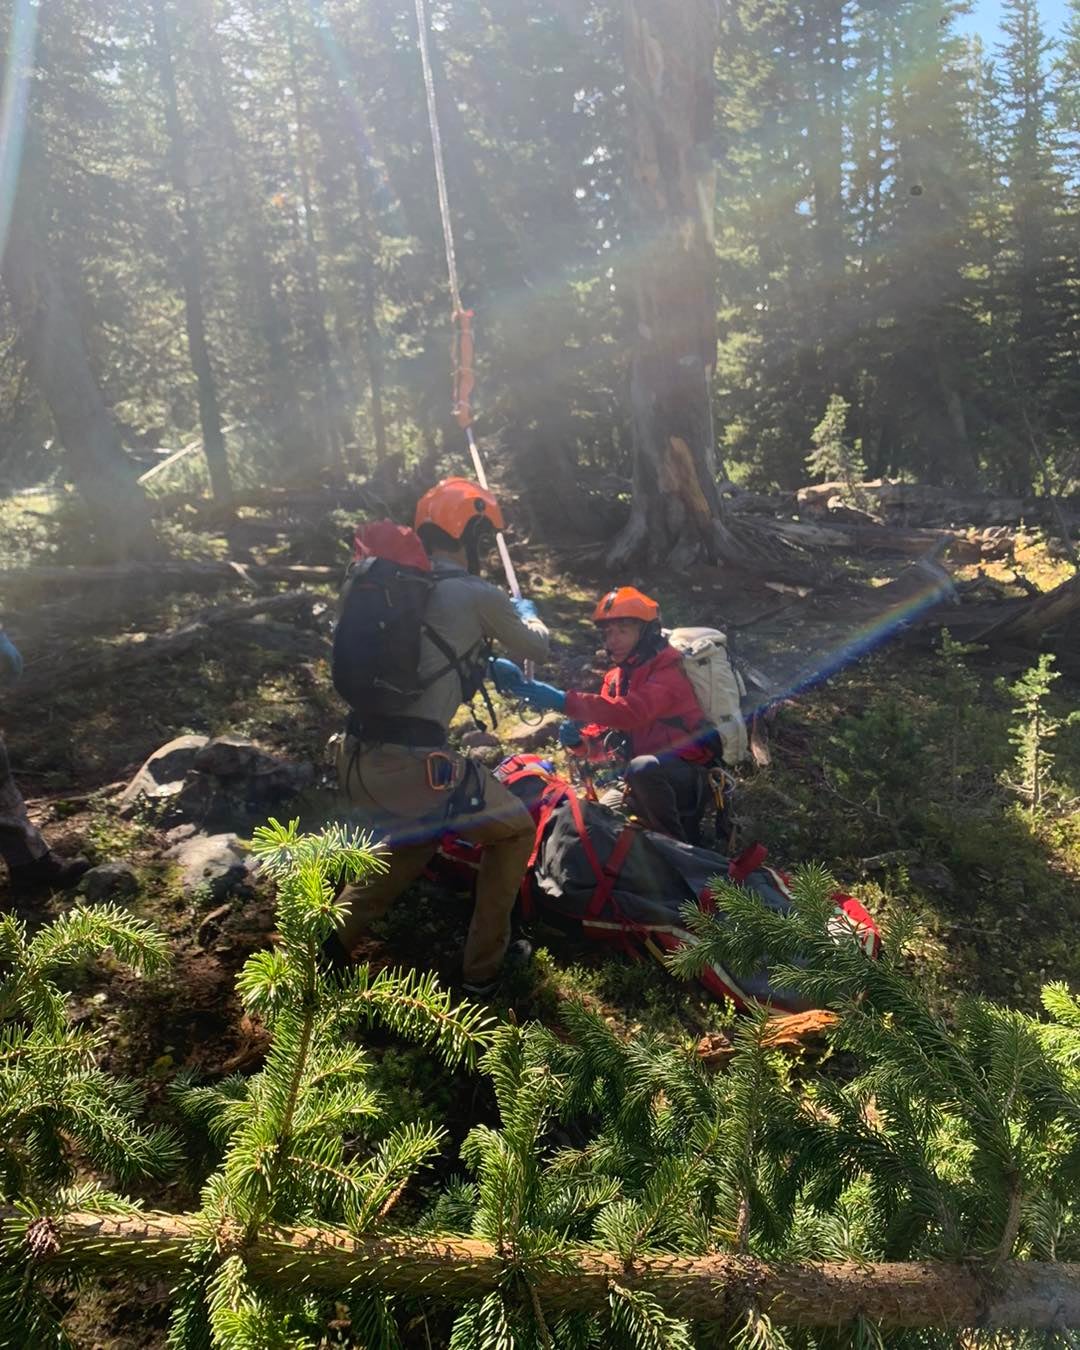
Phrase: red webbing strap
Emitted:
{"points": [[749, 860], [583, 835], [608, 877], [549, 803], [552, 797]]}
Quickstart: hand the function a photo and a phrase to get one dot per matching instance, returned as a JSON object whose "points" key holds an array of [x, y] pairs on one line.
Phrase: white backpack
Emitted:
{"points": [[717, 684]]}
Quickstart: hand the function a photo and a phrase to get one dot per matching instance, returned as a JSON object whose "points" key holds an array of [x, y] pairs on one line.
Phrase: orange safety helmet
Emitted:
{"points": [[626, 603], [454, 503]]}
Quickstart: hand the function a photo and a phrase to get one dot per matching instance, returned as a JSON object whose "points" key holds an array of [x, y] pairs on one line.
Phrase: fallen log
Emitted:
{"points": [[164, 573], [924, 504], [1029, 1294], [863, 538], [45, 682], [1027, 620], [1004, 623]]}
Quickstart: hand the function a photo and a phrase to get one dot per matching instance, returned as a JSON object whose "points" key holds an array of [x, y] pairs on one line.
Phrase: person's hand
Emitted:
{"points": [[11, 661], [526, 609], [570, 736], [544, 697], [507, 676]]}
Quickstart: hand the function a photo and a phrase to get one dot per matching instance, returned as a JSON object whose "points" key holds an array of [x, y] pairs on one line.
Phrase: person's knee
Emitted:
{"points": [[644, 769]]}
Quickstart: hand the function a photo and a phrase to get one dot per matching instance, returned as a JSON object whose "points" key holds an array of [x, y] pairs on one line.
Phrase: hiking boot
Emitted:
{"points": [[50, 871], [518, 954]]}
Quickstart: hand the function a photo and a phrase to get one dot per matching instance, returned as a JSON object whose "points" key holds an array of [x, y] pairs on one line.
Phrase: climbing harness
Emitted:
{"points": [[461, 318]]}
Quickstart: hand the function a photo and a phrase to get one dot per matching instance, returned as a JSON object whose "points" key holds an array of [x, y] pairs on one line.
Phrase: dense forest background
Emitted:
{"points": [[222, 223]]}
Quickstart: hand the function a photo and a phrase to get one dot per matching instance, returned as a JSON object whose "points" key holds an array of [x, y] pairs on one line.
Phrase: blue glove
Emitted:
{"points": [[10, 657], [507, 676], [525, 609], [545, 697], [570, 735]]}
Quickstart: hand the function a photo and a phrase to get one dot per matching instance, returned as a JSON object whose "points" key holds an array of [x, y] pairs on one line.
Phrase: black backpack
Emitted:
{"points": [[376, 655]]}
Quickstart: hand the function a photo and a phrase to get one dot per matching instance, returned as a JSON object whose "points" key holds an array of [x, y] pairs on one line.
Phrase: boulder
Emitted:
{"points": [[528, 736], [476, 740], [109, 881], [161, 778], [210, 864], [264, 776]]}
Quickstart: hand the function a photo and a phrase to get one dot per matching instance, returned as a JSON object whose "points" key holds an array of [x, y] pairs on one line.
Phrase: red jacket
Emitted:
{"points": [[652, 700]]}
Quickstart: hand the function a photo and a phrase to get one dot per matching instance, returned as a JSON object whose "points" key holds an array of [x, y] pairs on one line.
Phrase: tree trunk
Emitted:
{"points": [[1030, 1294], [191, 269], [281, 393], [332, 431], [677, 513], [57, 360], [374, 351]]}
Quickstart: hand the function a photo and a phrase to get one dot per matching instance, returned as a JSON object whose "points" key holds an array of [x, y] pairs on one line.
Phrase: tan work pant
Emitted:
{"points": [[389, 784]]}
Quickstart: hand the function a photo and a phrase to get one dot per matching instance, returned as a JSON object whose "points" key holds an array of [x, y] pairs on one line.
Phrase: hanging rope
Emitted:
{"points": [[461, 318]]}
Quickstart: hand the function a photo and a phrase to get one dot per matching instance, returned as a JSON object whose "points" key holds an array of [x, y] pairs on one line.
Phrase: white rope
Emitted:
{"points": [[437, 151], [451, 269]]}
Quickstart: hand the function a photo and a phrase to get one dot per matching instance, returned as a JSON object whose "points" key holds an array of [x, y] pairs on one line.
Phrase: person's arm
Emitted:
{"points": [[640, 708], [514, 625]]}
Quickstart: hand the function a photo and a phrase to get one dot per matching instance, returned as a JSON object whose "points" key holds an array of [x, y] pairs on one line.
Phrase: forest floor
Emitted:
{"points": [[895, 758]]}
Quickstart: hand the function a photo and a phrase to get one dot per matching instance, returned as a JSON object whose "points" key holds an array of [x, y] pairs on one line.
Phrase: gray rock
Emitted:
{"points": [[264, 776], [898, 857], [211, 864], [933, 876], [528, 736], [475, 740], [109, 881], [228, 757], [161, 778], [179, 833]]}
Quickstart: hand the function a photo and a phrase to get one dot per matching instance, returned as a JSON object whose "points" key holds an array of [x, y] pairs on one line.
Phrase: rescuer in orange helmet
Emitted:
{"points": [[647, 696], [399, 771]]}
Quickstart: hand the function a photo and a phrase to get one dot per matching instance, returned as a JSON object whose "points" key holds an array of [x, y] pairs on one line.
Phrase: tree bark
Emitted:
{"points": [[281, 391], [669, 53], [58, 363], [1029, 1294], [373, 349], [191, 268], [331, 430]]}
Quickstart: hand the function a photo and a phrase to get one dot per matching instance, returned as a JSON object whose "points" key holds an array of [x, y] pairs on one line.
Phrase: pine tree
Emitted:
{"points": [[1034, 729], [624, 1194], [59, 1113], [834, 457], [1037, 275]]}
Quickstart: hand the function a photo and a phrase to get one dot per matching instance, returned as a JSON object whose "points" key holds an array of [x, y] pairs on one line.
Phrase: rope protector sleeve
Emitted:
{"points": [[464, 379]]}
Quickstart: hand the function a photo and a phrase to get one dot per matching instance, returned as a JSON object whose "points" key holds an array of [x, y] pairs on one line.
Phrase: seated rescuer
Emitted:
{"points": [[31, 862], [399, 770], [647, 696]]}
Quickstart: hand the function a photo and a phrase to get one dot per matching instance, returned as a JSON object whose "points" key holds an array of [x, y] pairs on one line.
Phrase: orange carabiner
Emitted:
{"points": [[440, 771]]}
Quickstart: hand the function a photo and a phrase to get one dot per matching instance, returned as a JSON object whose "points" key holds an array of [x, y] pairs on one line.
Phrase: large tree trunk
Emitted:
{"points": [[1030, 1294], [191, 269], [53, 345], [281, 385], [373, 349], [671, 187], [332, 431]]}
